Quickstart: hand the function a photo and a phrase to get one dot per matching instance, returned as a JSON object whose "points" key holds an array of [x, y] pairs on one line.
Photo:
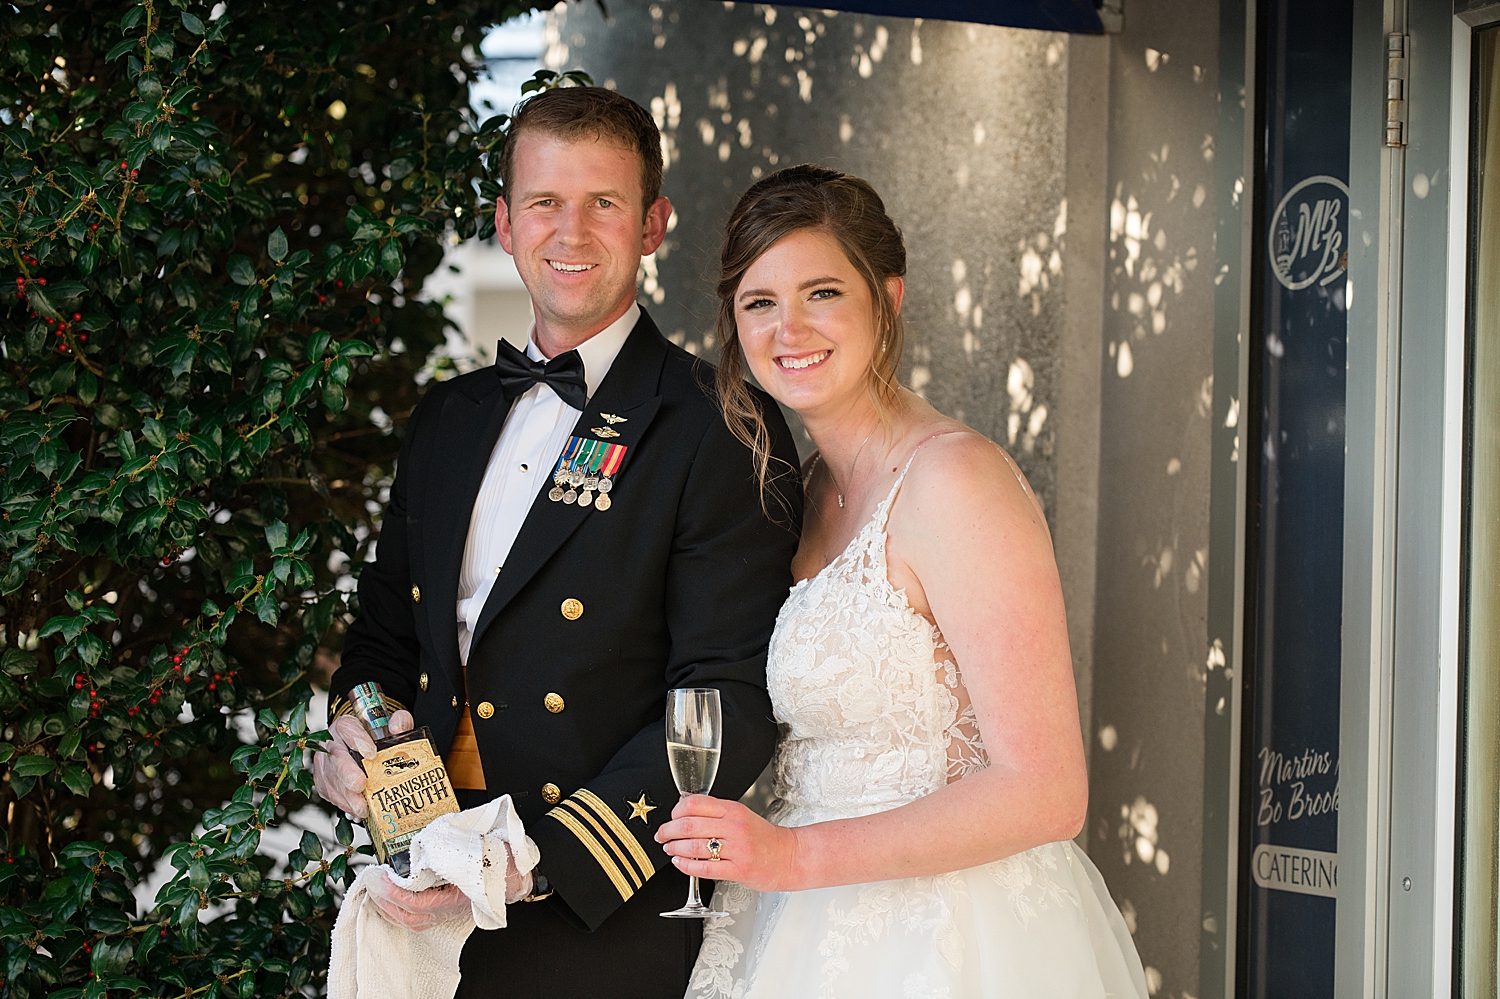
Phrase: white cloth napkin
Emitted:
{"points": [[374, 959]]}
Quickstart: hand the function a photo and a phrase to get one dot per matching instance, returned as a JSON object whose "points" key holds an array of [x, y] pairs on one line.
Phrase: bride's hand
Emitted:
{"points": [[752, 851]]}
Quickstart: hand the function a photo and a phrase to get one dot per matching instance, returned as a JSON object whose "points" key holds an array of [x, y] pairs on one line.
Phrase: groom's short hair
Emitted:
{"points": [[573, 113]]}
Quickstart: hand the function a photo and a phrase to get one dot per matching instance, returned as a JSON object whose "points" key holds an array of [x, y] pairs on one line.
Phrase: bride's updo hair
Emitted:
{"points": [[849, 210]]}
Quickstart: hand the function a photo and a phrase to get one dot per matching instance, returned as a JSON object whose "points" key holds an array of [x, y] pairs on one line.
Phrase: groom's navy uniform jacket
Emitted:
{"points": [[595, 615]]}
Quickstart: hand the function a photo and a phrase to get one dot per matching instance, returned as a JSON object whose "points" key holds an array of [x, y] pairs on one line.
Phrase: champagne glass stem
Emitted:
{"points": [[694, 900]]}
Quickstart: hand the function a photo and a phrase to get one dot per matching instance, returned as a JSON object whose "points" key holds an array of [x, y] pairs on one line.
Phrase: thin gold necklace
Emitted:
{"points": [[858, 451]]}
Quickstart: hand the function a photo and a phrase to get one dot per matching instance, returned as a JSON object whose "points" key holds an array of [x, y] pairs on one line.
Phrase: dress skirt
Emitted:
{"points": [[1038, 925]]}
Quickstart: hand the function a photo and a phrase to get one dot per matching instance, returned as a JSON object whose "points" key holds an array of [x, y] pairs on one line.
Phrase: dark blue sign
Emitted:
{"points": [[1297, 503]]}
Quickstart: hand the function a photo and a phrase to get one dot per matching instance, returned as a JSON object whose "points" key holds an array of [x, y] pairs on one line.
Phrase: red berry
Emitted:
{"points": [[93, 692], [83, 338], [77, 316], [42, 282], [123, 164], [134, 172], [213, 686], [177, 659]]}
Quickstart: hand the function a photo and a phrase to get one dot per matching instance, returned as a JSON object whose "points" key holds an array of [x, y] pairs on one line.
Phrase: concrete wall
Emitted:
{"points": [[1150, 640], [1057, 196]]}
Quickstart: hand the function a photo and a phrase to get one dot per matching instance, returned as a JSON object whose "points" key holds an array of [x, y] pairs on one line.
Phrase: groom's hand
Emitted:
{"points": [[752, 851], [417, 910], [336, 776]]}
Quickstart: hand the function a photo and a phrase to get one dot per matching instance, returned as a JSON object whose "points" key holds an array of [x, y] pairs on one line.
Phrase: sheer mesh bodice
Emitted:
{"points": [[871, 703]]}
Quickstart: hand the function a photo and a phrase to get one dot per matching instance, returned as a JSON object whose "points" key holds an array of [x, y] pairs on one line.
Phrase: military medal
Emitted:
{"points": [[610, 466], [590, 468], [560, 477], [584, 468], [577, 475]]}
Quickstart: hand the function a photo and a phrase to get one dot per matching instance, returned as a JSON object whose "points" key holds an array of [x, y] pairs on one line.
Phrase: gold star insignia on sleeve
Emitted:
{"points": [[640, 809]]}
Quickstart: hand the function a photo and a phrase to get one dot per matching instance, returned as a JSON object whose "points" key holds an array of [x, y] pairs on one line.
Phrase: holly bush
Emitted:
{"points": [[216, 218]]}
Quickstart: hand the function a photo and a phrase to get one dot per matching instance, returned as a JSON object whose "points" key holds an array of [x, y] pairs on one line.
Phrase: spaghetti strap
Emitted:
{"points": [[930, 437], [884, 510], [1015, 470]]}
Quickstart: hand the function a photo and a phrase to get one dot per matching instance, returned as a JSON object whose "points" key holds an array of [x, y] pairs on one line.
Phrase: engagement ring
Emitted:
{"points": [[714, 846]]}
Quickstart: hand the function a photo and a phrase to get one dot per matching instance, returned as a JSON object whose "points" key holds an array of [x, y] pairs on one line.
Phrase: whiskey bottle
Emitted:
{"points": [[406, 784]]}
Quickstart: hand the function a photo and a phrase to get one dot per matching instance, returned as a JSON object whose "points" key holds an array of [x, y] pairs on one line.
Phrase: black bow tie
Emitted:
{"points": [[563, 374]]}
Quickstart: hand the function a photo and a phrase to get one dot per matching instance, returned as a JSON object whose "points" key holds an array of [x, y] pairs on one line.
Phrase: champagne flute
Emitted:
{"points": [[695, 730]]}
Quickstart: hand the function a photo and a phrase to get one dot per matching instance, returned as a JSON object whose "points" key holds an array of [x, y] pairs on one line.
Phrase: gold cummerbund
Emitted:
{"points": [[464, 768]]}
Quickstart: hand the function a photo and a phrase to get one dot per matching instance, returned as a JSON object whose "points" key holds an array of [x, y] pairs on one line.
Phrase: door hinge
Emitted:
{"points": [[1395, 88]]}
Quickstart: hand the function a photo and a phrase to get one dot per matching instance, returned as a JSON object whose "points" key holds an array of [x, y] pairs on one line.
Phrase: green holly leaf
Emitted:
{"points": [[241, 270], [276, 246], [154, 432], [77, 780], [32, 766]]}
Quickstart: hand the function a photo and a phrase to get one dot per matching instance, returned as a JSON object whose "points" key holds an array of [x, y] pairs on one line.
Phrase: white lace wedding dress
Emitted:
{"points": [[873, 714]]}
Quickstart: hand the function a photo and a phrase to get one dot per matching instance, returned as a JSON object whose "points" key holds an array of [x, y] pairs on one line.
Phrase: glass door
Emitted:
{"points": [[1290, 769]]}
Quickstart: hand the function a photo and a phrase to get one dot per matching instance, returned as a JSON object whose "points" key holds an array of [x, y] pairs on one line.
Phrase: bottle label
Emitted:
{"points": [[406, 788]]}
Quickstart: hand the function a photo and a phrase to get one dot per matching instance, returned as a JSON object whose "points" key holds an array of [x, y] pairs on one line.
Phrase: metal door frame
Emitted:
{"points": [[1403, 493]]}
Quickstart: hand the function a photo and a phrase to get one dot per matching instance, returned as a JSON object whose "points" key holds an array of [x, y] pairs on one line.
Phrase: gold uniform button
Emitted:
{"points": [[572, 609], [422, 680], [485, 710], [455, 702], [554, 703], [416, 594], [551, 794]]}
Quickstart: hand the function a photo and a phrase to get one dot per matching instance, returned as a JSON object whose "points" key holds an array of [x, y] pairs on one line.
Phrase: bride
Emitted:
{"points": [[930, 774]]}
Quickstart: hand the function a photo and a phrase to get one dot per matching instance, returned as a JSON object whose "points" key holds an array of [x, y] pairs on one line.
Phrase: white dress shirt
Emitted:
{"points": [[533, 437]]}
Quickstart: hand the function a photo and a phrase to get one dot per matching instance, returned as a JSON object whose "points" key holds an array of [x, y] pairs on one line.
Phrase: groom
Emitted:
{"points": [[535, 622]]}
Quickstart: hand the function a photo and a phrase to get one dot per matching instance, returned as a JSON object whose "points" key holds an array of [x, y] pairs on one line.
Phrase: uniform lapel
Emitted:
{"points": [[468, 429], [629, 391]]}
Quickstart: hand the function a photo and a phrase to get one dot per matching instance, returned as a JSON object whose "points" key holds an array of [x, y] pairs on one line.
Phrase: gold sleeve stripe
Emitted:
{"points": [[592, 845], [618, 827], [607, 840]]}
